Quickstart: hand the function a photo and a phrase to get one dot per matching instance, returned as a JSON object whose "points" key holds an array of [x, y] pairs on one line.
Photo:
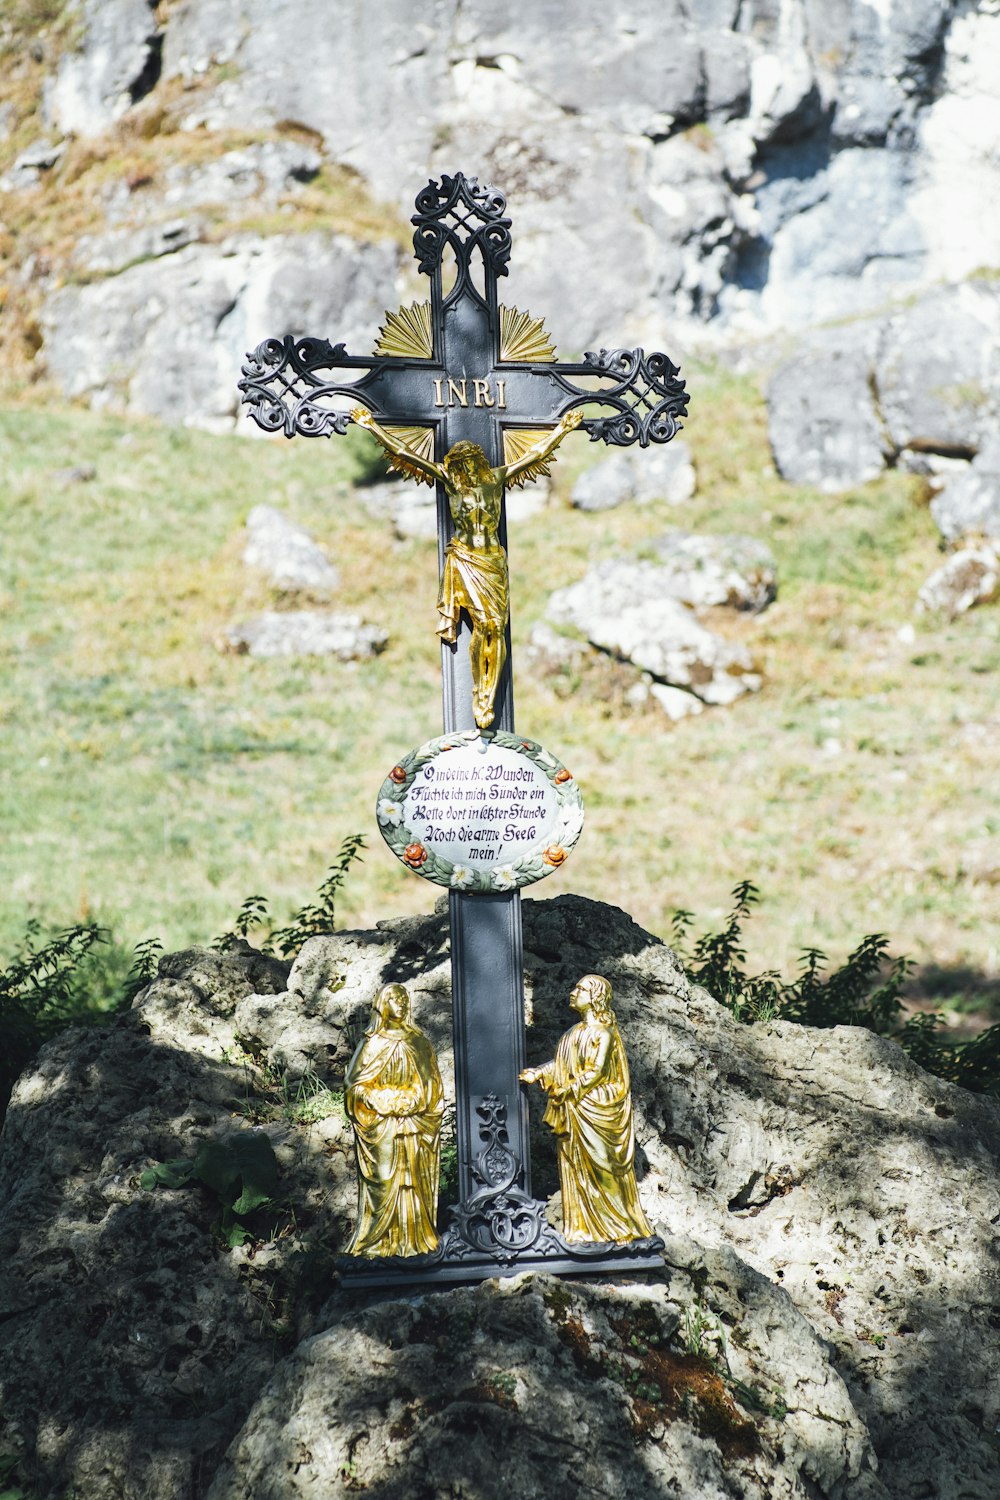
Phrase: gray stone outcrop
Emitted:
{"points": [[705, 570], [174, 331], [732, 168], [117, 66], [661, 472], [643, 612], [907, 387], [969, 501], [970, 576], [822, 419], [306, 632], [828, 1210], [288, 556]]}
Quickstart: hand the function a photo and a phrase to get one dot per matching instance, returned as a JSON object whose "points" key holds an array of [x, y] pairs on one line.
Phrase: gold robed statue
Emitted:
{"points": [[590, 1110], [394, 1100], [475, 564]]}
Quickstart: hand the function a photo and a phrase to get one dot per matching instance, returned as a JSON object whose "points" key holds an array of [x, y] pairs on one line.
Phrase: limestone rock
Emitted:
{"points": [[636, 610], [835, 233], [663, 471], [117, 64], [919, 384], [174, 331], [548, 646], [760, 170], [675, 702], [822, 1199], [261, 171], [822, 420], [411, 508], [664, 638], [287, 554], [306, 632], [970, 501], [143, 225], [29, 166], [505, 1365], [970, 576], [733, 570], [937, 370], [117, 249]]}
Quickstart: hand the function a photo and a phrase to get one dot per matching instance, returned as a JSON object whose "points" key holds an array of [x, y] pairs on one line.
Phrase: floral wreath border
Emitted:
{"points": [[534, 864]]}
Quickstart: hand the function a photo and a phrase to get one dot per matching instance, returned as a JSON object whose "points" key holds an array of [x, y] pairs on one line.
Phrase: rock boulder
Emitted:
{"points": [[660, 472], [640, 611], [287, 554], [827, 1207], [970, 576], [306, 632], [969, 502]]}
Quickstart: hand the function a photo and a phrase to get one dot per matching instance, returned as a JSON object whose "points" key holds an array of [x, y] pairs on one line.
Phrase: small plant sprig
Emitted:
{"points": [[315, 919], [320, 917], [240, 1170], [145, 958]]}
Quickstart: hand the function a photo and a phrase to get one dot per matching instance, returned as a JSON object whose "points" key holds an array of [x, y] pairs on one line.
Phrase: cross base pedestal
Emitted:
{"points": [[457, 1260], [499, 1230]]}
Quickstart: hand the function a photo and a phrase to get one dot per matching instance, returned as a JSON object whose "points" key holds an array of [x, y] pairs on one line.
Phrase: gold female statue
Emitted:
{"points": [[590, 1110], [394, 1100], [475, 564]]}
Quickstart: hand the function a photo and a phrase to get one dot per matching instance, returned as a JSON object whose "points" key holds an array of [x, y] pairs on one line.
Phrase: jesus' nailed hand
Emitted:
{"points": [[475, 574]]}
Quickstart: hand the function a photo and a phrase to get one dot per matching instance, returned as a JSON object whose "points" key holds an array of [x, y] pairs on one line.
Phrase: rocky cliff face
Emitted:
{"points": [[671, 169], [825, 1327]]}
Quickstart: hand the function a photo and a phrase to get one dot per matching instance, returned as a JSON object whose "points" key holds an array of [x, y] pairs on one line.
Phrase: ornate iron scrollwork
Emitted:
{"points": [[284, 393], [499, 1219], [460, 213], [506, 1223], [647, 396]]}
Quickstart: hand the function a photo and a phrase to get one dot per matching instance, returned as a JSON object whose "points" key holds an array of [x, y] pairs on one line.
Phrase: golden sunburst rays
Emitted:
{"points": [[407, 333], [524, 338], [516, 443], [419, 440]]}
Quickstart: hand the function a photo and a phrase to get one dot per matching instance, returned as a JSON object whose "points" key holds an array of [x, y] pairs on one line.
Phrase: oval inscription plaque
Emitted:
{"points": [[480, 812]]}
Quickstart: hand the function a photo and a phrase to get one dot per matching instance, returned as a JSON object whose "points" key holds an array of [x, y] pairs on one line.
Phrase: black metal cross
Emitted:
{"points": [[462, 367]]}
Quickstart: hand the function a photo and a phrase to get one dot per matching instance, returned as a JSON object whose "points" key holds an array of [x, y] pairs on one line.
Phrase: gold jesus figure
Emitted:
{"points": [[475, 576]]}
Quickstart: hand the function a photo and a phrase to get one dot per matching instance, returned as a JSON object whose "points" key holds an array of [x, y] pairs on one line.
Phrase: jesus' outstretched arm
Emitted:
{"points": [[426, 467]]}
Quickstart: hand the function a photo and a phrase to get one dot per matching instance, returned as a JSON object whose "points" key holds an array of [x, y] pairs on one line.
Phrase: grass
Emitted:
{"points": [[150, 782]]}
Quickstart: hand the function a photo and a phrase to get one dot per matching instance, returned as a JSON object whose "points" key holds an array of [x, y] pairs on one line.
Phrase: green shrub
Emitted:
{"points": [[865, 991], [315, 919], [74, 976]]}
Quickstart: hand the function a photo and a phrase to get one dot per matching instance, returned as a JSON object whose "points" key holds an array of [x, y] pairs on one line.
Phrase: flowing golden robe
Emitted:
{"points": [[590, 1110], [475, 579], [394, 1100]]}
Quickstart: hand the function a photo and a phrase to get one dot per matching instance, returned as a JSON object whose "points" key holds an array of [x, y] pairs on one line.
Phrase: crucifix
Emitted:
{"points": [[461, 369]]}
